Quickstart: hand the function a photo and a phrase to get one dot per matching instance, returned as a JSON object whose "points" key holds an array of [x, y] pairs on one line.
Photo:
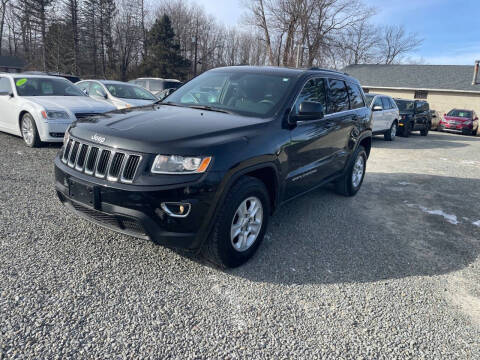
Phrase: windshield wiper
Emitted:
{"points": [[209, 108], [169, 103]]}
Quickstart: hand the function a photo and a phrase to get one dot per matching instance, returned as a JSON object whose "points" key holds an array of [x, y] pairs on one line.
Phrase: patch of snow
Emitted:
{"points": [[444, 159], [471, 162], [452, 219], [476, 223], [405, 183]]}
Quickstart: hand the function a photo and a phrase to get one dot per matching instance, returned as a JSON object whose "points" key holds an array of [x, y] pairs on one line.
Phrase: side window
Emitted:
{"points": [[378, 102], [356, 99], [314, 91], [5, 85], [142, 83], [84, 86], [97, 90], [338, 96], [386, 103], [419, 106], [392, 103]]}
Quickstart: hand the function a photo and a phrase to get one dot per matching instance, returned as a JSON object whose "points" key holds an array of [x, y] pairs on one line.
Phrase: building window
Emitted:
{"points": [[421, 94]]}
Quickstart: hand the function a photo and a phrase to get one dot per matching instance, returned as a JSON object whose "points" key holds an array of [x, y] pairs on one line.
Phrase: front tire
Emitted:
{"points": [[241, 224], [29, 131], [352, 180], [406, 130], [391, 133]]}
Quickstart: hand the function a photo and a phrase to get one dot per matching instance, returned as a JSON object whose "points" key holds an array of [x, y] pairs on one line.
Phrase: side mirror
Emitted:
{"points": [[309, 110], [85, 91], [377, 108], [6, 93], [434, 115], [475, 119], [444, 114]]}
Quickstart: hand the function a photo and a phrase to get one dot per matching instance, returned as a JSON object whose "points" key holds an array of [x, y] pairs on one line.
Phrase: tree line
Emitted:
{"points": [[122, 39]]}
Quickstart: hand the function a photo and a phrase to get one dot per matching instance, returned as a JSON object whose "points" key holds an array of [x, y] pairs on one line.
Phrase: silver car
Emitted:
{"points": [[120, 94]]}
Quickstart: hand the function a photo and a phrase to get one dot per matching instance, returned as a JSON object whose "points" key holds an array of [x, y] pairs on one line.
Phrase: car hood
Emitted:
{"points": [[76, 104], [168, 129]]}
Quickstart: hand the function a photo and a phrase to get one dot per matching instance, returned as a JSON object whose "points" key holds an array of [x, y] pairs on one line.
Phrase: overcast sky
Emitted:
{"points": [[450, 28]]}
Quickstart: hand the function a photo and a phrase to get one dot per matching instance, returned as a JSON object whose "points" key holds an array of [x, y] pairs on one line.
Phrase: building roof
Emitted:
{"points": [[421, 77], [11, 62]]}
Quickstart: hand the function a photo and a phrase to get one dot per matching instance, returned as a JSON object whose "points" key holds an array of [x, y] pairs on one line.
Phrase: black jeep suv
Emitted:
{"points": [[414, 116], [204, 169]]}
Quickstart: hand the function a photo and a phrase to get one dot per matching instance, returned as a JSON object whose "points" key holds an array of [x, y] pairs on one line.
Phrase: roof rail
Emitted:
{"points": [[315, 68]]}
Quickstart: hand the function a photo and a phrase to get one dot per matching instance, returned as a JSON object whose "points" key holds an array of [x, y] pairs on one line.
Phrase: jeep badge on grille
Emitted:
{"points": [[98, 138]]}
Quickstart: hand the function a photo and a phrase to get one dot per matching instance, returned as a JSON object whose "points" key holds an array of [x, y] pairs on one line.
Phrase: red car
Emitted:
{"points": [[464, 121]]}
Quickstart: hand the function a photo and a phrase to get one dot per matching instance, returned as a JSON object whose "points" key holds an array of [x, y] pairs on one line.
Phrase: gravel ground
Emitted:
{"points": [[392, 273]]}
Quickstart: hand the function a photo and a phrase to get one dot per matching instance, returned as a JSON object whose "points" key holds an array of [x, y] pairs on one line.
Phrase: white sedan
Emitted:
{"points": [[40, 108], [120, 94]]}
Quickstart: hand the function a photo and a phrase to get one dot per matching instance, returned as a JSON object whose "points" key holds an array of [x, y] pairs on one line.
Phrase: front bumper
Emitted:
{"points": [[52, 131], [136, 210], [456, 127]]}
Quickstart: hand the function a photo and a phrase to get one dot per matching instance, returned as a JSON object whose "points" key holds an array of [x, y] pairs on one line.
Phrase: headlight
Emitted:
{"points": [[55, 115], [175, 164]]}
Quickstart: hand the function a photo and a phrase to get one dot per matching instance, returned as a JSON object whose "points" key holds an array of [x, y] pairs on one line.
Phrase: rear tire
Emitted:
{"points": [[424, 131], [29, 131], [391, 133], [352, 180], [223, 247]]}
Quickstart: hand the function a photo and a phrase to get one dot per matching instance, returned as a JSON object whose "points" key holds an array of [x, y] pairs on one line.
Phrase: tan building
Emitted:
{"points": [[445, 87]]}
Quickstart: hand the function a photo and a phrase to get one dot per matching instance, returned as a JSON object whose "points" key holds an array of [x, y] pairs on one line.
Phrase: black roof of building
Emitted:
{"points": [[425, 77], [12, 62]]}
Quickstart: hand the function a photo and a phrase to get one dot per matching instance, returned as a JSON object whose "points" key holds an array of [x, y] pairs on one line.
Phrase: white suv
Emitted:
{"points": [[385, 115]]}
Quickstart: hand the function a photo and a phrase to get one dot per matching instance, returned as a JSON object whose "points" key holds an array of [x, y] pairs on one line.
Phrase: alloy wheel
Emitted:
{"points": [[246, 224], [27, 130], [358, 171]]}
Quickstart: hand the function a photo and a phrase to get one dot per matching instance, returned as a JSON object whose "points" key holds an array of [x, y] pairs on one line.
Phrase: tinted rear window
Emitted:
{"points": [[404, 105], [356, 99]]}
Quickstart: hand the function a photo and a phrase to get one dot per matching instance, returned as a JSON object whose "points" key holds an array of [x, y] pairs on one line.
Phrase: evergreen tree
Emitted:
{"points": [[164, 57]]}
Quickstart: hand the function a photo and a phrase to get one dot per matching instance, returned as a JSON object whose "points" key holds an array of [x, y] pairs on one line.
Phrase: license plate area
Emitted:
{"points": [[83, 193]]}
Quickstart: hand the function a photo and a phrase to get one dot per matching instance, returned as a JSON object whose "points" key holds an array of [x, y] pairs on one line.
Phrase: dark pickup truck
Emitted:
{"points": [[204, 169], [414, 116]]}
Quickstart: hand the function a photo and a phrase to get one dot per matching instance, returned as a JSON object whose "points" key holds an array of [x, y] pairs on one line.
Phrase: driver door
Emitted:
{"points": [[378, 116], [310, 151], [8, 120]]}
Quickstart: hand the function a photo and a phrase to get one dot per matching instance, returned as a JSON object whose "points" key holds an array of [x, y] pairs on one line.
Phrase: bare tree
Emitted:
{"points": [[3, 12], [395, 43]]}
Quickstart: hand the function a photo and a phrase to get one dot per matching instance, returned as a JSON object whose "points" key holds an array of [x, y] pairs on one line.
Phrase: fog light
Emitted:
{"points": [[178, 210]]}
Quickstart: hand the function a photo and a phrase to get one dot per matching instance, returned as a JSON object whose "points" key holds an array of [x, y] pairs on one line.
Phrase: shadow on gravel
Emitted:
{"points": [[432, 141], [383, 233]]}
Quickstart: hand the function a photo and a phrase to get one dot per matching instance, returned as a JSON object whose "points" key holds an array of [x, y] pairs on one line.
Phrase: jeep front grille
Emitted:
{"points": [[100, 161]]}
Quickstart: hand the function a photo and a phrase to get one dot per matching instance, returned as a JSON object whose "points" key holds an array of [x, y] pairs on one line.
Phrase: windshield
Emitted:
{"points": [[460, 113], [369, 99], [46, 87], [404, 105], [128, 91], [250, 94]]}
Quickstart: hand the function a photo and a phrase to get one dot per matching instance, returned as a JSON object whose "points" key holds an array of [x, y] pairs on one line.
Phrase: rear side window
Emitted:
{"points": [[378, 102], [315, 91], [355, 96], [5, 85], [386, 104], [338, 96]]}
